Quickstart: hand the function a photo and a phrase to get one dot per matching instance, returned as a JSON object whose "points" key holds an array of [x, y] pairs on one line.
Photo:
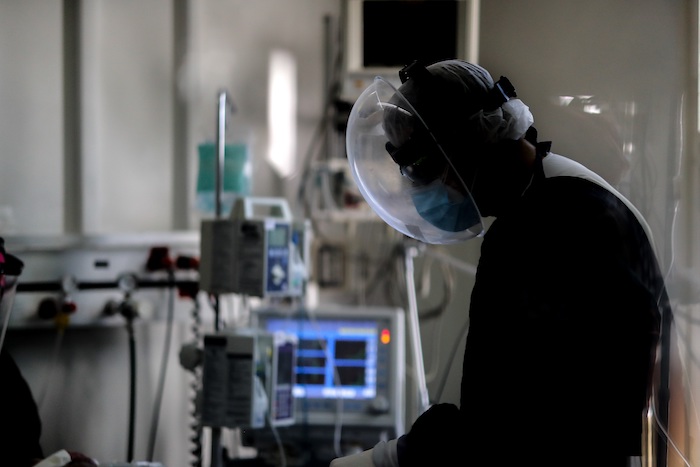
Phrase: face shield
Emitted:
{"points": [[403, 173], [10, 270]]}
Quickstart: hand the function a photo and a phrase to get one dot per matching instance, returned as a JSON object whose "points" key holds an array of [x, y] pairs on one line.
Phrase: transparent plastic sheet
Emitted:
{"points": [[7, 289], [621, 141]]}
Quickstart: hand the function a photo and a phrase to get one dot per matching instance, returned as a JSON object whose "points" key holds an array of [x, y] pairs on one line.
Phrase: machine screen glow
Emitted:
{"points": [[335, 358]]}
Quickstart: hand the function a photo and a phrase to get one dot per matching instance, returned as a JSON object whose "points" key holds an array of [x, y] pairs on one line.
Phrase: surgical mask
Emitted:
{"points": [[444, 207]]}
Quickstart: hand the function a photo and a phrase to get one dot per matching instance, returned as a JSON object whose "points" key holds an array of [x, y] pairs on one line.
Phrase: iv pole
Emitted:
{"points": [[223, 103]]}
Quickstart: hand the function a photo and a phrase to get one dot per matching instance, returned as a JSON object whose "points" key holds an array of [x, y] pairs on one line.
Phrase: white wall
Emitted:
{"points": [[127, 113], [31, 120]]}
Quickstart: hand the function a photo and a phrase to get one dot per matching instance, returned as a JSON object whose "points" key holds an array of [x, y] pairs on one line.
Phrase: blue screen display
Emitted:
{"points": [[335, 358]]}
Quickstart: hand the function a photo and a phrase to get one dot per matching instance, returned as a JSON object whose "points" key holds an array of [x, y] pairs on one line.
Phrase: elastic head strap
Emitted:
{"points": [[500, 93], [416, 70]]}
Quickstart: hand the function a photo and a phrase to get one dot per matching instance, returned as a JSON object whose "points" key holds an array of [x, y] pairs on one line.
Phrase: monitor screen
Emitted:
{"points": [[382, 36], [336, 357], [395, 33], [347, 358]]}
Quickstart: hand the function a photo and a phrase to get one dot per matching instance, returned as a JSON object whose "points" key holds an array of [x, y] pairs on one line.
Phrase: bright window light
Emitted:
{"points": [[281, 112]]}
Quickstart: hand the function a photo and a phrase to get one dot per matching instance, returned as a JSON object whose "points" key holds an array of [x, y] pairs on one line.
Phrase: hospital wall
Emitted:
{"points": [[103, 105]]}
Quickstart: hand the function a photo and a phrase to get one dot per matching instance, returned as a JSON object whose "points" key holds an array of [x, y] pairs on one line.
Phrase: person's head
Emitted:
{"points": [[451, 134]]}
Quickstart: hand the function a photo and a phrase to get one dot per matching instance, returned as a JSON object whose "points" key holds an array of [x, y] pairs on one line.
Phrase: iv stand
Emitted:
{"points": [[222, 108]]}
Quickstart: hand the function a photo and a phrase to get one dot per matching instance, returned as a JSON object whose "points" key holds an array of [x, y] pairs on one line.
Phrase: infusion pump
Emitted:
{"points": [[258, 251], [247, 379]]}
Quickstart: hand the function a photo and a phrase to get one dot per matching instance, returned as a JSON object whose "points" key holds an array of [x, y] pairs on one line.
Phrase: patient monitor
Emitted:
{"points": [[349, 387]]}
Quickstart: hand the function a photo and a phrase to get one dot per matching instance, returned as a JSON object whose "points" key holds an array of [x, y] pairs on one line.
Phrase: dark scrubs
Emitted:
{"points": [[20, 426], [564, 322]]}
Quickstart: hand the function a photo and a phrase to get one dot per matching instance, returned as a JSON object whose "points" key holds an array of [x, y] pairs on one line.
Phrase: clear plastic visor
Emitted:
{"points": [[11, 268], [403, 173]]}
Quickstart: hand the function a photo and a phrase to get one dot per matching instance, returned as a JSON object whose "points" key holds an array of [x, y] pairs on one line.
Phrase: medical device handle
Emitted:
{"points": [[248, 208]]}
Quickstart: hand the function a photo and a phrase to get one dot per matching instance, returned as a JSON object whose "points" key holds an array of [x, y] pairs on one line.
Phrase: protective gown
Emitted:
{"points": [[564, 324]]}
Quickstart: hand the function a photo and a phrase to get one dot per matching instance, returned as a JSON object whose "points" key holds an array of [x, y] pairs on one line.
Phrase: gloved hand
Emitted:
{"points": [[65, 458], [383, 454], [362, 459]]}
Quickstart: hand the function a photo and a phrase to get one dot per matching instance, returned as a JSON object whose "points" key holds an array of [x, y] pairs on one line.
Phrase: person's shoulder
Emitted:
{"points": [[575, 192]]}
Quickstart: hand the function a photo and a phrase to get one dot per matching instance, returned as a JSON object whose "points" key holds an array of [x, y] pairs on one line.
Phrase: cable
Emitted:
{"points": [[338, 425], [662, 428], [128, 310], [132, 390], [163, 369], [60, 331], [278, 440]]}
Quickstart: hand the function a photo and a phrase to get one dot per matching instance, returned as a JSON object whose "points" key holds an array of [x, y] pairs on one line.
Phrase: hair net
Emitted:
{"points": [[510, 121], [466, 88]]}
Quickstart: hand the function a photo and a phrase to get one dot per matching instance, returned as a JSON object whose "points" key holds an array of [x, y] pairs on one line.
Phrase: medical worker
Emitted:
{"points": [[565, 311]]}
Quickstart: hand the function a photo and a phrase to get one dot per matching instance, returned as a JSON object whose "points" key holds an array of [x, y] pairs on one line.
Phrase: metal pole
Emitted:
{"points": [[220, 149], [216, 452]]}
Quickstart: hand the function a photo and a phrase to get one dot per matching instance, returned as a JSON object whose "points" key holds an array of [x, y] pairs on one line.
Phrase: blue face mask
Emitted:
{"points": [[445, 207]]}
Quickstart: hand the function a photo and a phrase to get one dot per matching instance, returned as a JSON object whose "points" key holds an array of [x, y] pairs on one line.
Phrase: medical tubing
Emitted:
{"points": [[163, 369], [691, 402], [278, 441], [132, 389], [664, 339], [48, 382], [338, 427], [665, 432], [661, 413], [414, 330]]}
